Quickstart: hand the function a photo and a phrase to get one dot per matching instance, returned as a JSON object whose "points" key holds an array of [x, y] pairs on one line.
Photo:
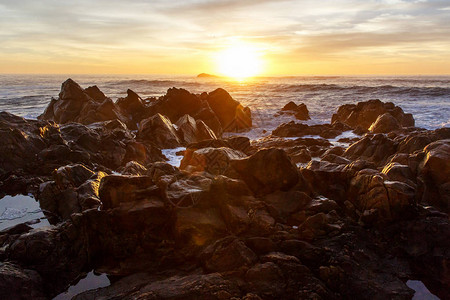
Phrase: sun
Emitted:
{"points": [[239, 61]]}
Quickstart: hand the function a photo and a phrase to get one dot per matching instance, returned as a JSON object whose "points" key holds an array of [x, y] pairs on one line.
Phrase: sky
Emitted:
{"points": [[183, 37]]}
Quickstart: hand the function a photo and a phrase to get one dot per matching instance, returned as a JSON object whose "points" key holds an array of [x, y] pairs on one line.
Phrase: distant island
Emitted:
{"points": [[206, 75]]}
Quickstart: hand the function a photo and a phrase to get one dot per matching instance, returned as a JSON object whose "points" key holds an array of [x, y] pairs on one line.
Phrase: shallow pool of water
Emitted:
{"points": [[90, 282], [21, 209], [422, 293]]}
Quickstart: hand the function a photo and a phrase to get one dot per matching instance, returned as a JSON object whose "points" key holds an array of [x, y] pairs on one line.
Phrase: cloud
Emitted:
{"points": [[112, 31]]}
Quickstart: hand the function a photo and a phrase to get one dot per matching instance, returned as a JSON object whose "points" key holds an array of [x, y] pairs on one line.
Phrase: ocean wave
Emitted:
{"points": [[359, 89]]}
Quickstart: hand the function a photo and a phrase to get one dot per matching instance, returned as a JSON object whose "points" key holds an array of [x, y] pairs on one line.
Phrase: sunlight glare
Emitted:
{"points": [[239, 62]]}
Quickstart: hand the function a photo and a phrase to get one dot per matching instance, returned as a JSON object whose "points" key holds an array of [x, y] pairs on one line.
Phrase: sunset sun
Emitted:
{"points": [[239, 61]]}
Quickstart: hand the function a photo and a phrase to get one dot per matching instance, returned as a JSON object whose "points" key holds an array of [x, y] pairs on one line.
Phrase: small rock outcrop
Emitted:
{"points": [[364, 114], [299, 111]]}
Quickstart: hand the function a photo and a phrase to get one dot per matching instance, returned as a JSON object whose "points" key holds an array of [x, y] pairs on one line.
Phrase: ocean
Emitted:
{"points": [[426, 97]]}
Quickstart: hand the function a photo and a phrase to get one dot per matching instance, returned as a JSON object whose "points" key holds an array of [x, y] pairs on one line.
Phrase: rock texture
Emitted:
{"points": [[333, 215]]}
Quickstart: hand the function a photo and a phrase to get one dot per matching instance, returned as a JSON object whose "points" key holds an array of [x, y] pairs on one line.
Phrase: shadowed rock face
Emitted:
{"points": [[238, 219]]}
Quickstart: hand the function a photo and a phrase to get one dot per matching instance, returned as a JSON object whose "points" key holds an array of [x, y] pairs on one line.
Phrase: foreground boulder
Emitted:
{"points": [[364, 114], [267, 170]]}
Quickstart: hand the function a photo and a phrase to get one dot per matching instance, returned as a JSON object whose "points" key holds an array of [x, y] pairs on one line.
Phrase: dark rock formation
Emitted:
{"points": [[299, 111], [364, 114], [238, 219]]}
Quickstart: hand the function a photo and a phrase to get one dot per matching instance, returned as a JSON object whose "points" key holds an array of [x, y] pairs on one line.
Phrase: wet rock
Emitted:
{"points": [[365, 113], [212, 160], [227, 254], [267, 170], [160, 131]]}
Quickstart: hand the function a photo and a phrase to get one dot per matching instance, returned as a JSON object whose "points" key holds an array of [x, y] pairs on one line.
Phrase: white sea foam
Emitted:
{"points": [[173, 158]]}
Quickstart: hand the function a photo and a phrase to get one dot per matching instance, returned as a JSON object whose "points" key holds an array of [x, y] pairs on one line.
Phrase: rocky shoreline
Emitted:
{"points": [[350, 209]]}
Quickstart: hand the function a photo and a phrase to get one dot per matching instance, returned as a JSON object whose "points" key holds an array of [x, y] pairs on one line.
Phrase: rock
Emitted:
{"points": [[299, 111], [212, 286], [384, 124], [365, 113], [198, 227], [74, 189], [377, 149], [267, 171], [132, 106], [328, 179], [388, 200], [232, 115], [83, 106], [212, 160], [117, 189], [160, 131], [191, 131], [293, 129], [265, 279], [435, 172], [18, 283], [398, 172], [133, 168], [179, 102], [227, 254]]}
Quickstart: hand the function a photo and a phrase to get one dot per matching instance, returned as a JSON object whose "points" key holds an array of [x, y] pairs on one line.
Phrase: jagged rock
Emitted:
{"points": [[133, 168], [232, 115], [267, 170], [212, 160], [364, 114], [299, 111], [160, 131], [191, 131], [83, 106], [132, 106]]}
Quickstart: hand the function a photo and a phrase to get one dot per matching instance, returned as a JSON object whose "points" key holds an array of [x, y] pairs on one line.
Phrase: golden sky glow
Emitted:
{"points": [[239, 61], [285, 37]]}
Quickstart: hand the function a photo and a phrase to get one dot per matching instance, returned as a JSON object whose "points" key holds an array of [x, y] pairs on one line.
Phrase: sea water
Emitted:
{"points": [[426, 97]]}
